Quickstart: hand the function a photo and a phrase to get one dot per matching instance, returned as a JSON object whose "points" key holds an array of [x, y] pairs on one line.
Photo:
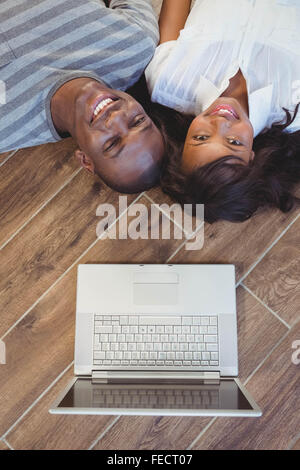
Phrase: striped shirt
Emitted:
{"points": [[44, 43]]}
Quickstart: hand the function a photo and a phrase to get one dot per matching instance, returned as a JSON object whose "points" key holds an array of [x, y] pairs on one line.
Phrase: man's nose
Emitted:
{"points": [[116, 121]]}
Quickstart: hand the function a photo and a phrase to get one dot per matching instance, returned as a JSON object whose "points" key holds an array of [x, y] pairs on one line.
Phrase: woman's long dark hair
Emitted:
{"points": [[230, 191]]}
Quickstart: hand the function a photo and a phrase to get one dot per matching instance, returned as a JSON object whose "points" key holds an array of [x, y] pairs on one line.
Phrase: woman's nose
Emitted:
{"points": [[221, 124]]}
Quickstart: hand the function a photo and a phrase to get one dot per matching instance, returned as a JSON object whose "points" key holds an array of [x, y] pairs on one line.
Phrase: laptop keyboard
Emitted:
{"points": [[142, 341]]}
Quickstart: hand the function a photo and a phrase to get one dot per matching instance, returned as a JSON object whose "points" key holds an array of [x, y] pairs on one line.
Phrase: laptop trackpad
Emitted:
{"points": [[155, 294]]}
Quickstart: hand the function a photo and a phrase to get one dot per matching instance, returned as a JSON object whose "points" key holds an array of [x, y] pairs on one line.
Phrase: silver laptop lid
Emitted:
{"points": [[156, 290], [226, 397]]}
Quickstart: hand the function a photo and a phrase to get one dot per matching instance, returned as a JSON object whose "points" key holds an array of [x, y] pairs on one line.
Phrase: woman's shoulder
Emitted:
{"points": [[157, 63]]}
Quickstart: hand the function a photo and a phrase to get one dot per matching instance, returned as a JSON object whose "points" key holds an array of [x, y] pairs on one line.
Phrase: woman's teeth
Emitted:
{"points": [[225, 111], [220, 111], [101, 106]]}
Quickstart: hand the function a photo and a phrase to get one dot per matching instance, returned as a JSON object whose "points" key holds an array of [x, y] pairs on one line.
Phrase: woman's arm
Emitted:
{"points": [[172, 18]]}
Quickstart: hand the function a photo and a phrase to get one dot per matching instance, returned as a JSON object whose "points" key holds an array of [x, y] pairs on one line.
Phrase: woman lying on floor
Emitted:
{"points": [[236, 67]]}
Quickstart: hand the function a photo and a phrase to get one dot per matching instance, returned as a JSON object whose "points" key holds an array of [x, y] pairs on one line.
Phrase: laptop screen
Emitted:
{"points": [[224, 395]]}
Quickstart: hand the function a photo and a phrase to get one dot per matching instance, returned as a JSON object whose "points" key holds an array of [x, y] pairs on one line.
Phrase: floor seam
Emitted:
{"points": [[67, 270], [102, 434], [266, 306], [293, 441], [36, 401], [244, 383], [190, 447], [268, 249], [8, 444], [187, 235], [164, 213], [39, 210], [176, 251], [187, 240], [240, 282], [266, 357], [8, 157]]}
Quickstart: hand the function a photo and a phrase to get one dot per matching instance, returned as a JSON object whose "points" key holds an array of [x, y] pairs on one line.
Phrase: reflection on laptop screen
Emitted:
{"points": [[224, 395]]}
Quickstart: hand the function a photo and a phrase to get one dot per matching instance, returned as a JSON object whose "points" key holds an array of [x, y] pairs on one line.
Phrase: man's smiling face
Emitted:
{"points": [[117, 139]]}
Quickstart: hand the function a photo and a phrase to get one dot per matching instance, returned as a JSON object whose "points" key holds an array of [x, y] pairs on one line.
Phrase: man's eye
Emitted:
{"points": [[201, 137], [138, 121], [111, 145], [234, 142]]}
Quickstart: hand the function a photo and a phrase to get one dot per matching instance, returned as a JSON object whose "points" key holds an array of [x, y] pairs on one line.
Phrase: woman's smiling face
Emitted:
{"points": [[221, 130]]}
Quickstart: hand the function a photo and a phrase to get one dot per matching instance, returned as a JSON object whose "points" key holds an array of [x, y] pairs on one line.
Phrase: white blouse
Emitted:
{"points": [[260, 37]]}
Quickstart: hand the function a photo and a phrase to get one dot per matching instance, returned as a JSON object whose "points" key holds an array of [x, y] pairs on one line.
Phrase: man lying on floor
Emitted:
{"points": [[64, 65]]}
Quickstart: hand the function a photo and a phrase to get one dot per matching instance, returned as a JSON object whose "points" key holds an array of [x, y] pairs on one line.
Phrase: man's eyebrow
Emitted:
{"points": [[120, 150], [147, 127]]}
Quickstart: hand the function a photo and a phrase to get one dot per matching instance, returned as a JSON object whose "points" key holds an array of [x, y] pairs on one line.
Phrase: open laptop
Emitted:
{"points": [[156, 340]]}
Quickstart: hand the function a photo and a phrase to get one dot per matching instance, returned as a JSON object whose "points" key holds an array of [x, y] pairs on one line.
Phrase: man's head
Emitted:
{"points": [[116, 138]]}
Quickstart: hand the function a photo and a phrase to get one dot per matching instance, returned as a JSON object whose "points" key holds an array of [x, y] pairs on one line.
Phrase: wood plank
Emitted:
{"points": [[49, 244], [44, 344], [152, 432], [141, 250], [275, 387], [295, 445], [189, 225], [159, 197], [258, 332], [275, 280], [241, 244], [38, 349], [4, 156], [29, 179], [178, 433], [3, 446], [41, 346], [59, 432]]}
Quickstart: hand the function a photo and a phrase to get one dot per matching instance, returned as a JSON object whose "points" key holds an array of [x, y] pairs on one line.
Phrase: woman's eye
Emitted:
{"points": [[139, 121], [200, 137], [234, 142]]}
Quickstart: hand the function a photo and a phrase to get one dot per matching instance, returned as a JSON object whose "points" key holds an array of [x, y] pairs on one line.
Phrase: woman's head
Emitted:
{"points": [[231, 187], [222, 130]]}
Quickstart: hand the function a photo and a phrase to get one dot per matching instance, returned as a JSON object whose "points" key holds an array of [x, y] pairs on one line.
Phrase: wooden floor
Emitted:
{"points": [[48, 226]]}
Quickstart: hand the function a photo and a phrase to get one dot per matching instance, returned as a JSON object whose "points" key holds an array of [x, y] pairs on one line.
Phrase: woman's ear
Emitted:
{"points": [[85, 161], [252, 156]]}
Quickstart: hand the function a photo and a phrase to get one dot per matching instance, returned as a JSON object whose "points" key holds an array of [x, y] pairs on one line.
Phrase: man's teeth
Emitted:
{"points": [[102, 105]]}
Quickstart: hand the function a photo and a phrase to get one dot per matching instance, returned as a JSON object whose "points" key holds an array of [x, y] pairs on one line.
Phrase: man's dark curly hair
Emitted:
{"points": [[231, 191]]}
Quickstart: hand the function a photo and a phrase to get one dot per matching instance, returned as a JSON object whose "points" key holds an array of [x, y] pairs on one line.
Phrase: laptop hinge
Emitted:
{"points": [[158, 377]]}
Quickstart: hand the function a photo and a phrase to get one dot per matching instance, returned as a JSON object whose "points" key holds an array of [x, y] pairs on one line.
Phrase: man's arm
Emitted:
{"points": [[139, 12], [172, 18]]}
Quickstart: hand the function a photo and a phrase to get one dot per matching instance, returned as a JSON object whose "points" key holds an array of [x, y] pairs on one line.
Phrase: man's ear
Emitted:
{"points": [[85, 161]]}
